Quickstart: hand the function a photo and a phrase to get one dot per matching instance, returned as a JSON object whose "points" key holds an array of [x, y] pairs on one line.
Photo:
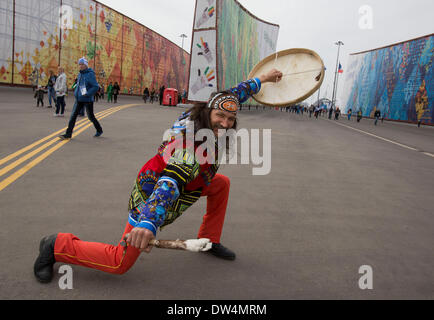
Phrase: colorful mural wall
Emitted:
{"points": [[38, 35], [397, 80], [228, 41]]}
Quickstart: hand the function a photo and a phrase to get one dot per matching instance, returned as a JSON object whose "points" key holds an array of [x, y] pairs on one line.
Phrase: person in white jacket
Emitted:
{"points": [[60, 87]]}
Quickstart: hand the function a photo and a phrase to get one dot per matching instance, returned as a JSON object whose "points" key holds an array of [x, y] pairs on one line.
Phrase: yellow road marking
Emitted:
{"points": [[19, 173], [35, 152], [30, 147]]}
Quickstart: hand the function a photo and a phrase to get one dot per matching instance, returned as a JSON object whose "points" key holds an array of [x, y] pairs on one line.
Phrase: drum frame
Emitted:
{"points": [[275, 56]]}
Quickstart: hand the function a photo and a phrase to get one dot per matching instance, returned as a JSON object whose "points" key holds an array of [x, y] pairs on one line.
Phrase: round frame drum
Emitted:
{"points": [[303, 74]]}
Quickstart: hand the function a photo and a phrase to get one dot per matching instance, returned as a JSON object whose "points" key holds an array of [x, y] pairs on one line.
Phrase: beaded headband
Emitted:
{"points": [[225, 102]]}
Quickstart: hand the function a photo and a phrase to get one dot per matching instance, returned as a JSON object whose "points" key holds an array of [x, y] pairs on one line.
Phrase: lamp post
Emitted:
{"points": [[335, 89], [183, 36]]}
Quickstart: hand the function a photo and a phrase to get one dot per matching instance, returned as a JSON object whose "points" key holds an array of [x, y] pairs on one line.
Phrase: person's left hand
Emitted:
{"points": [[139, 238], [273, 75]]}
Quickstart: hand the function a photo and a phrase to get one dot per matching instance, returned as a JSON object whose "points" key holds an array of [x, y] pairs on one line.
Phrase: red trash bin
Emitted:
{"points": [[170, 97]]}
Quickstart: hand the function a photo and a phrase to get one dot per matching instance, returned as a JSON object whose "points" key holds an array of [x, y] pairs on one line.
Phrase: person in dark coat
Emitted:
{"points": [[39, 95], [377, 116], [116, 91], [84, 93], [162, 94]]}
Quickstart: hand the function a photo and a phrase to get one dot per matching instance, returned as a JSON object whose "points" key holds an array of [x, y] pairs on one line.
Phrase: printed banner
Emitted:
{"points": [[203, 67], [397, 80], [119, 49], [36, 40], [228, 41], [6, 40], [243, 41], [205, 14]]}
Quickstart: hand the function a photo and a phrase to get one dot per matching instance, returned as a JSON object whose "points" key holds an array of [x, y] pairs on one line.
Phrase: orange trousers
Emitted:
{"points": [[117, 259]]}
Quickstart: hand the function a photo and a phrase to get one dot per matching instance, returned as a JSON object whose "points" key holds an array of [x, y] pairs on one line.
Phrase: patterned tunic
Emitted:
{"points": [[166, 187]]}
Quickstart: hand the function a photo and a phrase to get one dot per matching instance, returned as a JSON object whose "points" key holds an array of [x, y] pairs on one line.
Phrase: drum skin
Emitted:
{"points": [[303, 74]]}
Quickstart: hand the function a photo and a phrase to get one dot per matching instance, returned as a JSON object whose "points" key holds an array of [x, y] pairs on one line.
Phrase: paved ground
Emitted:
{"points": [[340, 195]]}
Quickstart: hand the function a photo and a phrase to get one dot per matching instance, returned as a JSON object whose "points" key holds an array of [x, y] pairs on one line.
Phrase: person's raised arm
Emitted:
{"points": [[248, 88], [271, 76]]}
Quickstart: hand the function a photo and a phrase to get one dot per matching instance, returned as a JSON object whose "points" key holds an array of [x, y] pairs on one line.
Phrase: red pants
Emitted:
{"points": [[117, 259]]}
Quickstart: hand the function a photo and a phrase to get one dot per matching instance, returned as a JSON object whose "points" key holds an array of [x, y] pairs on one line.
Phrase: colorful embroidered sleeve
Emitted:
{"points": [[247, 89], [182, 167], [153, 212]]}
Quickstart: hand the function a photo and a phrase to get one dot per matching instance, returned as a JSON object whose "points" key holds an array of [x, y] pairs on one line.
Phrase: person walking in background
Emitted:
{"points": [[377, 116], [184, 96], [153, 95], [145, 95], [330, 112], [317, 112], [359, 115], [84, 93], [102, 91], [350, 113], [337, 113], [116, 91], [61, 88], [162, 95], [50, 88], [110, 92], [39, 96]]}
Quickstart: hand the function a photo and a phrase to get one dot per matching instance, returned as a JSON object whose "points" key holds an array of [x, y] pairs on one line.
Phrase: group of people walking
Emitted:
{"points": [[150, 95], [113, 91], [333, 113], [85, 89], [56, 89]]}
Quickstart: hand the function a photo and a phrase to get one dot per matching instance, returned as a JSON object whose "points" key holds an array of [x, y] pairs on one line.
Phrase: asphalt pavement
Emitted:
{"points": [[340, 195]]}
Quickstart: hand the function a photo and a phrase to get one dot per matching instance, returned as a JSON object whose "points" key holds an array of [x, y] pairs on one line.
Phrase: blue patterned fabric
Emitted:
{"points": [[151, 214], [245, 90]]}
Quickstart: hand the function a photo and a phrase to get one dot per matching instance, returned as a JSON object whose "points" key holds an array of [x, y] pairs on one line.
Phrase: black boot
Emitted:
{"points": [[222, 252], [43, 267]]}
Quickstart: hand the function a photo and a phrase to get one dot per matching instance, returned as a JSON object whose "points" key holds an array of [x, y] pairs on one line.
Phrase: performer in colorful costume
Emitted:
{"points": [[165, 188]]}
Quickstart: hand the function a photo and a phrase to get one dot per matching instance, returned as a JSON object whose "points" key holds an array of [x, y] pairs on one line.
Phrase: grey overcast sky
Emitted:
{"points": [[312, 24]]}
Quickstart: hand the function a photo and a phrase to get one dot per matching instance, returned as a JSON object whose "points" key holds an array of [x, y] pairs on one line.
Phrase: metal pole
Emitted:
{"points": [[13, 41], [337, 85], [339, 43], [183, 36]]}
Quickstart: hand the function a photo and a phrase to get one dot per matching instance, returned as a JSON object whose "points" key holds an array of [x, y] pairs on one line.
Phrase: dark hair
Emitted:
{"points": [[200, 114]]}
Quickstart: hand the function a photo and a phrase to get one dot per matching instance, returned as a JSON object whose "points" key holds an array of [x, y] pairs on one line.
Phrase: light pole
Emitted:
{"points": [[183, 36], [339, 44]]}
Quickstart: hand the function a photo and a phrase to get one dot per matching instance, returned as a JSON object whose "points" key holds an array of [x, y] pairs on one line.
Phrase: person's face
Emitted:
{"points": [[82, 66], [222, 120]]}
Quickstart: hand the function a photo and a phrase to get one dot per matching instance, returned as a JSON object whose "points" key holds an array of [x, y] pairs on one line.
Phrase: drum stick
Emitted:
{"points": [[196, 245], [295, 73]]}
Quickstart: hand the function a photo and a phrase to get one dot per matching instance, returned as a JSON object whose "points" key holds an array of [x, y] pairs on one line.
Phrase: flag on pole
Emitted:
{"points": [[340, 69]]}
